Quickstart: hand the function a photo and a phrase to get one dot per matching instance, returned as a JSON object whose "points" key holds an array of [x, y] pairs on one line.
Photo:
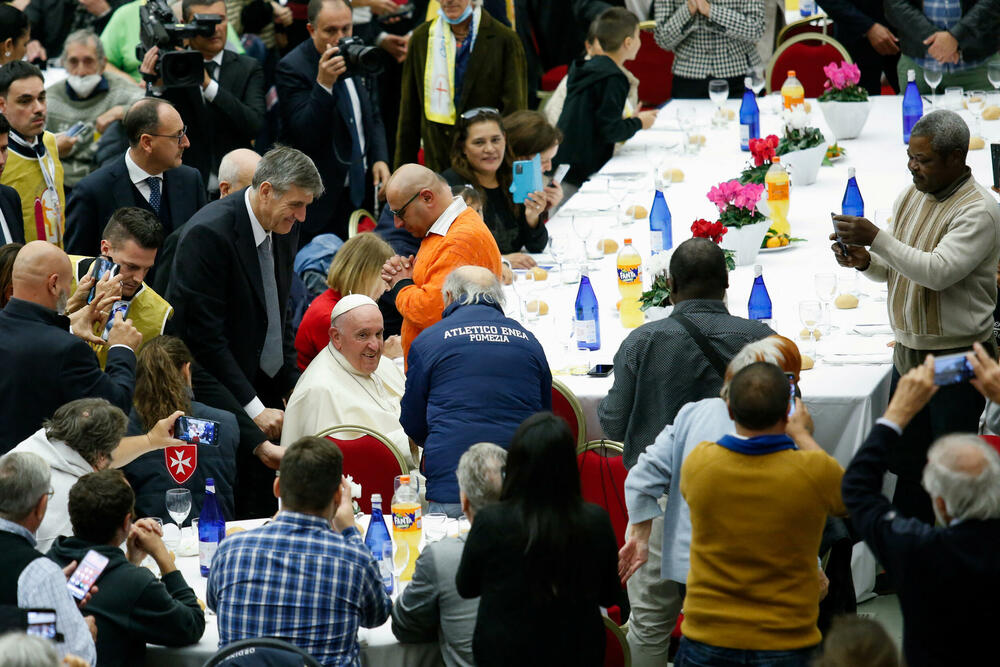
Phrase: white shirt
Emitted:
{"points": [[138, 176], [6, 229], [443, 223], [212, 89], [352, 93], [255, 406]]}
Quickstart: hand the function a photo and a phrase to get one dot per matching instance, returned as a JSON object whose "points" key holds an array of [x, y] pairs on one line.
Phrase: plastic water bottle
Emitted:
{"points": [[852, 204], [588, 320], [759, 305], [376, 538], [406, 523], [749, 116], [792, 92], [660, 233], [913, 106], [630, 285], [211, 528], [807, 7]]}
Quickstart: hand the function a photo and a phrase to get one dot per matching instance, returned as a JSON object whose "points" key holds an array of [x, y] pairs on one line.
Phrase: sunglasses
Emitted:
{"points": [[402, 210], [479, 111]]}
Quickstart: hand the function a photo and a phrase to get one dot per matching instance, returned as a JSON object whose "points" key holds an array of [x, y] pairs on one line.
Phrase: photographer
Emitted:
{"points": [[225, 109], [328, 114]]}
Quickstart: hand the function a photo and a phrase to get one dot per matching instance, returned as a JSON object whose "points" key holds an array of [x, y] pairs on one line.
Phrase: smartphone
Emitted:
{"points": [[843, 246], [41, 623], [75, 129], [86, 573], [952, 369], [197, 431], [792, 392], [561, 172], [527, 178], [601, 370], [101, 266], [119, 306]]}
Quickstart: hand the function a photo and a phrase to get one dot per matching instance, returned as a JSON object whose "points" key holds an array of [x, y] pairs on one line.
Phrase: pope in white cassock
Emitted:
{"points": [[349, 382]]}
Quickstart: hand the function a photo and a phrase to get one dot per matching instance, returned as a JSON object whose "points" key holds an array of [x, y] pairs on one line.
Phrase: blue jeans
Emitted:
{"points": [[696, 654], [453, 510]]}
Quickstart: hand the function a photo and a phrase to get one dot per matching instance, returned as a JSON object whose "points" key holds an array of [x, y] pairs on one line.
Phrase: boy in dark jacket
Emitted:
{"points": [[591, 120], [132, 607]]}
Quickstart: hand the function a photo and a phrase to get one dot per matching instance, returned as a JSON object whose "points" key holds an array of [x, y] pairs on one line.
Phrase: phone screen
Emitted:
{"points": [[119, 306], [100, 266], [197, 431], [86, 573], [42, 623], [601, 370], [952, 369], [791, 394]]}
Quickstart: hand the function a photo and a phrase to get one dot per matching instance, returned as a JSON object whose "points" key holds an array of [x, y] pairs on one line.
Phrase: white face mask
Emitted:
{"points": [[83, 86]]}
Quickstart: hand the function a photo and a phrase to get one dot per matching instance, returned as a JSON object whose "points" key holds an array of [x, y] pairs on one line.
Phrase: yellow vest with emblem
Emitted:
{"points": [[43, 219]]}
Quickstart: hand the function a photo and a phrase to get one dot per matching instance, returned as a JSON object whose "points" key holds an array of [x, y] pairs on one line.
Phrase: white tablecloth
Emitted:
{"points": [[379, 647]]}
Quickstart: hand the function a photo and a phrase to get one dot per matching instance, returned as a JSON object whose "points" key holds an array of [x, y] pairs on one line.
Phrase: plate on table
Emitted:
{"points": [[780, 248]]}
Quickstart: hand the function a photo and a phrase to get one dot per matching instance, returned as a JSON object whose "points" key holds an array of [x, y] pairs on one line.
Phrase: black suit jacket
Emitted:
{"points": [[109, 188], [10, 204], [218, 296], [312, 123], [232, 120], [45, 366]]}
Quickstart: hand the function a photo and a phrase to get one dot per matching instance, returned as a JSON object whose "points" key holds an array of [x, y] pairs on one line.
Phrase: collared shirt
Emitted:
{"points": [[297, 579], [7, 238], [138, 176], [352, 93], [42, 585], [443, 223], [256, 406], [212, 89], [945, 14]]}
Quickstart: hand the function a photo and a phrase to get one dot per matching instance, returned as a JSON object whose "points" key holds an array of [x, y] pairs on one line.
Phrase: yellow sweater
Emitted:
{"points": [[756, 528]]}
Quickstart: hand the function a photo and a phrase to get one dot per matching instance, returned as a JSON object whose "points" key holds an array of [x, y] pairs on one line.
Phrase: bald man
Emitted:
{"points": [[44, 365], [452, 234], [236, 170]]}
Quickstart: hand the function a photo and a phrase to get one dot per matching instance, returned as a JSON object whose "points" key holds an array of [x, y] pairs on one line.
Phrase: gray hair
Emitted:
{"points": [[459, 288], [766, 349], [284, 167], [946, 130], [86, 36], [24, 478], [91, 427], [480, 475], [21, 650], [965, 495]]}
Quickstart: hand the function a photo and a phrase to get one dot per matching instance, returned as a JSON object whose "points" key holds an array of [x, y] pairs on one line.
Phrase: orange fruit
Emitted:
{"points": [[784, 241], [773, 242]]}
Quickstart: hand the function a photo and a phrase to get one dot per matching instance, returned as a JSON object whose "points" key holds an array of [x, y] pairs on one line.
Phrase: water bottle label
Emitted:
{"points": [[630, 274], [745, 134], [406, 519], [777, 191], [586, 331], [206, 552], [656, 241]]}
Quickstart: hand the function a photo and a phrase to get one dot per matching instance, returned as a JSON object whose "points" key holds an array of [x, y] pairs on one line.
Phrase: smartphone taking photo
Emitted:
{"points": [[86, 573], [952, 369], [197, 431]]}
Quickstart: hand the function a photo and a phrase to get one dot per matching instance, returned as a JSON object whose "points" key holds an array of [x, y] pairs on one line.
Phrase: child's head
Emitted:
{"points": [[853, 640], [617, 31], [471, 197]]}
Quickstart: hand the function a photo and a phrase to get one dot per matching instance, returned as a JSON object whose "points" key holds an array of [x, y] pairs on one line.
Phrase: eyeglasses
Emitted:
{"points": [[478, 111], [399, 213], [178, 137]]}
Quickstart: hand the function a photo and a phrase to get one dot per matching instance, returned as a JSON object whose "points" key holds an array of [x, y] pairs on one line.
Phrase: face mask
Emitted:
{"points": [[466, 14], [83, 86]]}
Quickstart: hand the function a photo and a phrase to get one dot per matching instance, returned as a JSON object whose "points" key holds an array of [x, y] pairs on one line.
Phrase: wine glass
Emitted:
{"points": [[399, 552], [932, 75], [618, 189], [583, 225], [435, 526], [178, 504], [524, 286], [993, 73], [826, 290], [718, 92], [561, 249], [757, 80], [810, 313], [975, 101]]}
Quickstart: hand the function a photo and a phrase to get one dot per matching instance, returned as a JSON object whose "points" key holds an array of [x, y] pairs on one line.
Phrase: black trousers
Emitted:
{"points": [[697, 89], [872, 64]]}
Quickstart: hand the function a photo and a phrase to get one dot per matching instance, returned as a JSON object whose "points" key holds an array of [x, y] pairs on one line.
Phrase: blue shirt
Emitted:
{"points": [[297, 579], [945, 14]]}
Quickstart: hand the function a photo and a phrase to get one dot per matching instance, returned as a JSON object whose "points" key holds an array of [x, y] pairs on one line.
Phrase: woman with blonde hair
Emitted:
{"points": [[356, 269], [163, 386]]}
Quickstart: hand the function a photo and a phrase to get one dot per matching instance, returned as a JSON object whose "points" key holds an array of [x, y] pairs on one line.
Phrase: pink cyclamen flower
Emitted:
{"points": [[852, 73], [829, 70], [716, 197]]}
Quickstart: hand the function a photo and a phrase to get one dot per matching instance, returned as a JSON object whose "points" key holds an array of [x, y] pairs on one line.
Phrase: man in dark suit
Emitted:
{"points": [[330, 117], [11, 218], [45, 366], [229, 283], [861, 26], [150, 175], [227, 111]]}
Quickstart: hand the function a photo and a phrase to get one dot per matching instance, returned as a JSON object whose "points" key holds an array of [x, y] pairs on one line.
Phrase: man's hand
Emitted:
{"points": [[83, 321], [150, 541], [92, 626], [943, 47], [882, 40], [636, 550], [519, 260], [124, 333], [506, 275], [161, 435], [824, 584], [343, 517], [270, 421], [912, 393], [856, 257], [116, 112], [393, 347], [331, 66], [65, 143], [853, 230], [987, 380], [380, 173], [282, 14], [383, 7], [68, 572], [79, 298], [397, 268], [647, 118], [148, 65], [269, 454], [800, 428], [395, 45], [134, 550]]}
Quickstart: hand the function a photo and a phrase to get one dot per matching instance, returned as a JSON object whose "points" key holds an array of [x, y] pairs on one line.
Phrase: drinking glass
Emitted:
{"points": [[826, 290], [933, 75], [975, 101], [561, 249], [618, 189], [399, 552], [718, 92], [584, 225], [993, 73], [687, 119], [952, 97], [757, 80], [435, 526], [178, 504], [810, 313], [524, 287]]}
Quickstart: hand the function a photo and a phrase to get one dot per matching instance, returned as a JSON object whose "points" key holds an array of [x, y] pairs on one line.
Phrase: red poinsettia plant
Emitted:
{"points": [[762, 151], [713, 231]]}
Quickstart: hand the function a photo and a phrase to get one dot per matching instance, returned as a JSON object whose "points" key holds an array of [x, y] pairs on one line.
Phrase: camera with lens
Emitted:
{"points": [[360, 58], [159, 27]]}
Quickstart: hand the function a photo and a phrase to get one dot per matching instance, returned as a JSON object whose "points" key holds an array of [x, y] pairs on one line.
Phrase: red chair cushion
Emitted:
{"points": [[808, 60], [551, 79], [366, 224], [602, 482], [614, 653], [993, 441], [654, 68], [372, 465], [561, 407]]}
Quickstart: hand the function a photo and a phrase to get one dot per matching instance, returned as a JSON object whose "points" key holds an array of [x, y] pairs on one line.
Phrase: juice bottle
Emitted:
{"points": [[792, 92], [630, 285], [406, 522], [776, 181]]}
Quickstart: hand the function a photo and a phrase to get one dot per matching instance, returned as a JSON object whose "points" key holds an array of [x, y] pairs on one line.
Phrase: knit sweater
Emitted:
{"points": [[467, 242], [757, 522], [939, 257]]}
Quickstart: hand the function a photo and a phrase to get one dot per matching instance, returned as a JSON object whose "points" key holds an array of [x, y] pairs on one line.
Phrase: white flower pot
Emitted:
{"points": [[803, 166], [745, 241], [845, 119]]}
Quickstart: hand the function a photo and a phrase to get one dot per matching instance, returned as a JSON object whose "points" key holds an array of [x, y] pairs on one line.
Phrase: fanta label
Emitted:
{"points": [[777, 191], [406, 519], [628, 274]]}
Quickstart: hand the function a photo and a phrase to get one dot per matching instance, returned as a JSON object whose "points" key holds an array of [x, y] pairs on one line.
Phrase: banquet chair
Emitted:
{"points": [[807, 54], [993, 441], [262, 652], [653, 66], [370, 459], [565, 404], [807, 25], [602, 481], [616, 650], [360, 221]]}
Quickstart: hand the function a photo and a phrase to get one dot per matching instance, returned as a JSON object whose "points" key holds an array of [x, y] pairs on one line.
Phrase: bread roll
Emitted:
{"points": [[637, 211], [807, 362], [538, 273], [607, 246], [991, 113], [846, 301], [539, 305], [976, 144], [676, 175]]}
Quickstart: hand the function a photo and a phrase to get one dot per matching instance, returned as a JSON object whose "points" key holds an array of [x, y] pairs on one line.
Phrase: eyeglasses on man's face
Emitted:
{"points": [[178, 137], [402, 210]]}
